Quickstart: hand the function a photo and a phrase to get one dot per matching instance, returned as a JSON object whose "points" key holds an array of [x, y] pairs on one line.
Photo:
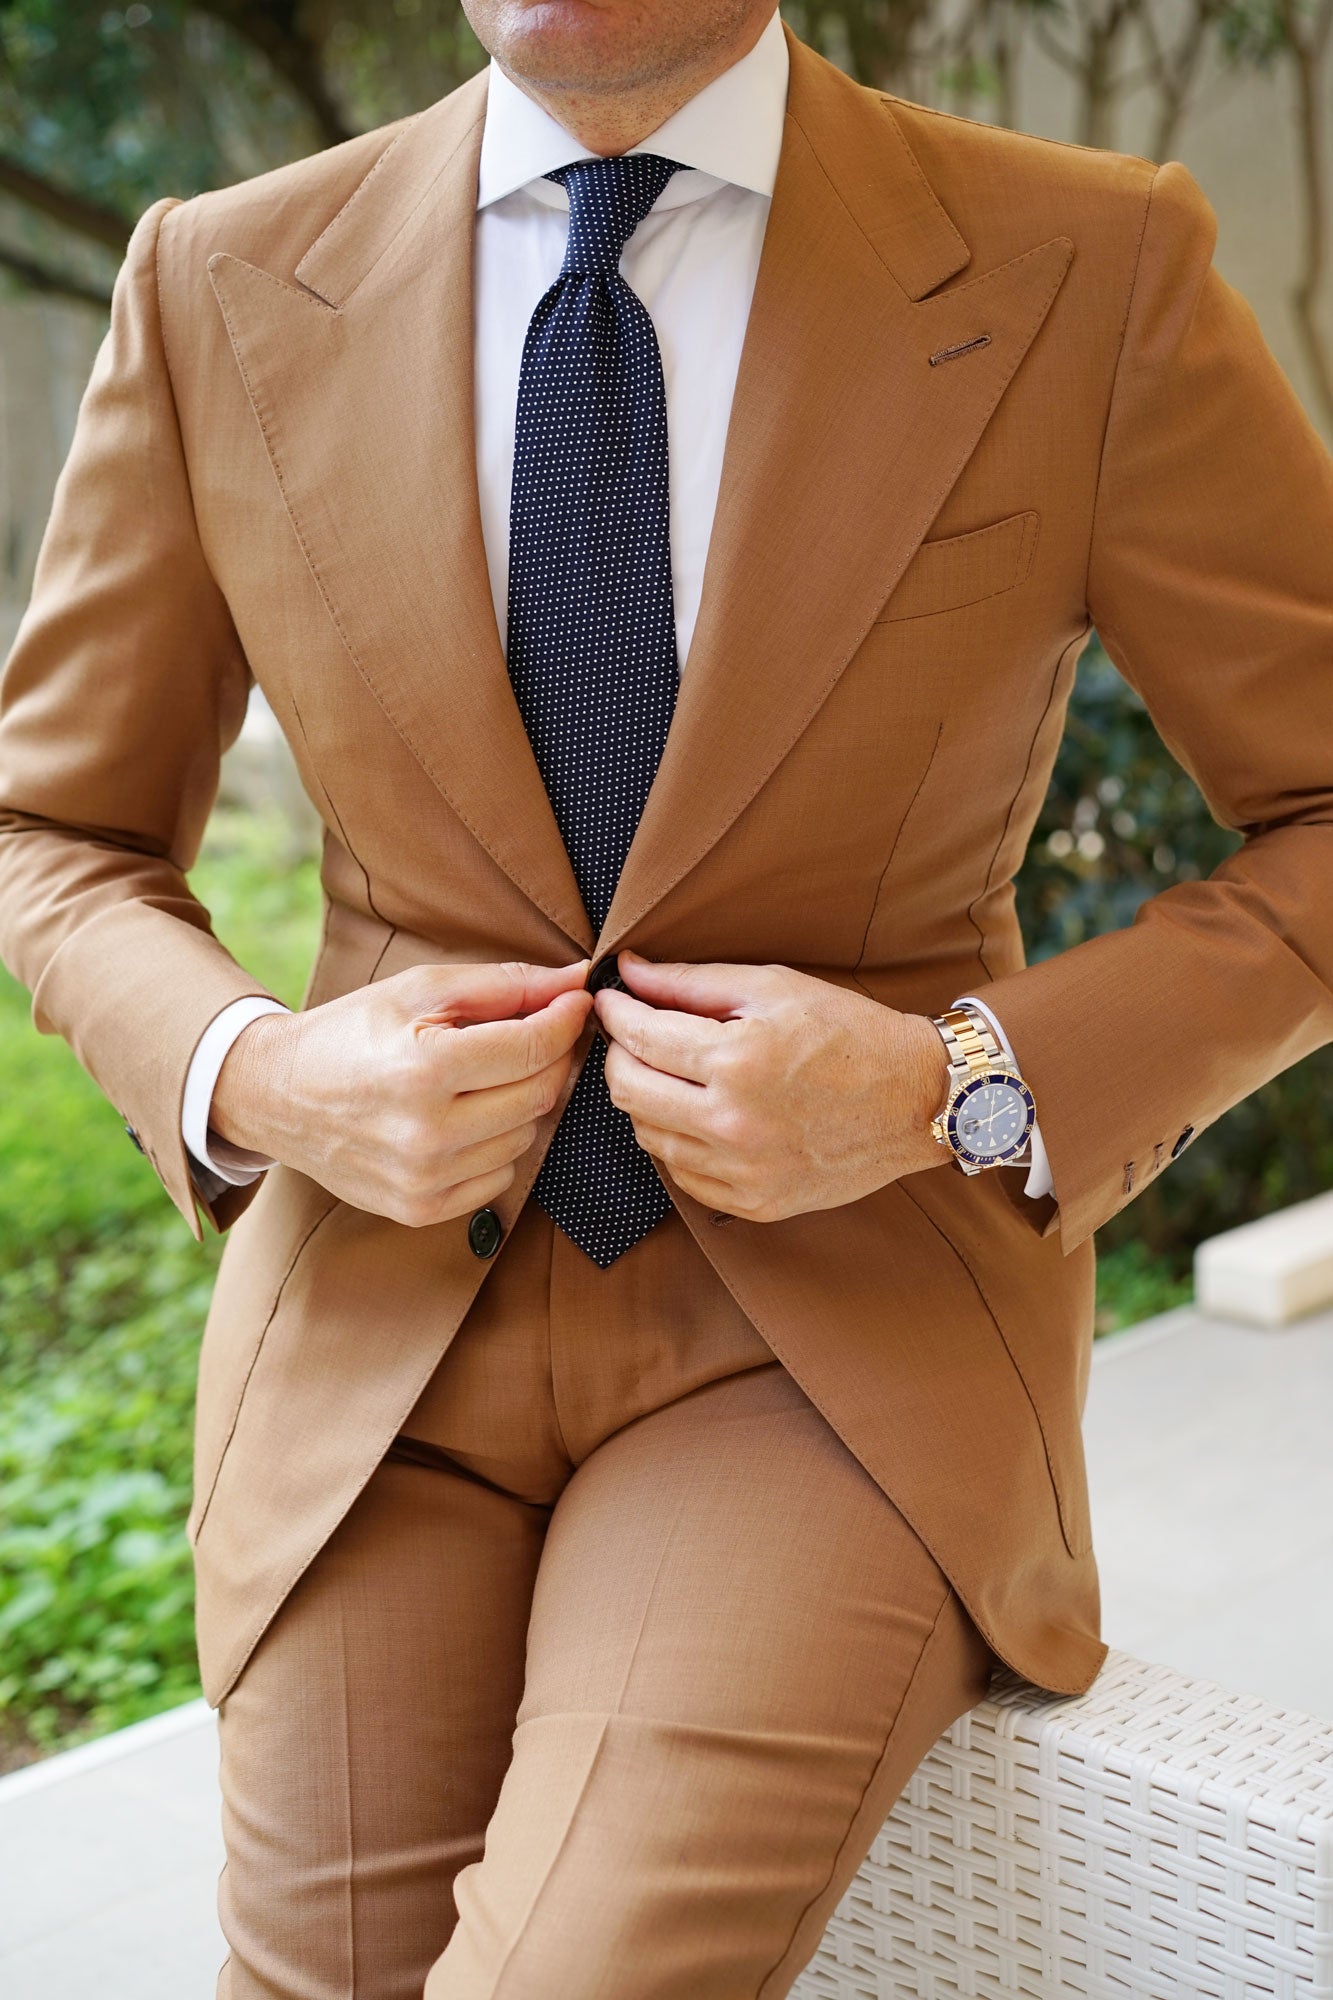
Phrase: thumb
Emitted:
{"points": [[718, 990], [500, 992]]}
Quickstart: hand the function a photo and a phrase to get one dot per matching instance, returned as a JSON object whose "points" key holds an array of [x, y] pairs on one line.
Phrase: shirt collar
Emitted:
{"points": [[730, 131]]}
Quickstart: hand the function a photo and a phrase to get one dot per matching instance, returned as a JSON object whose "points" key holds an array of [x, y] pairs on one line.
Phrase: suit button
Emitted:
{"points": [[1182, 1142], [720, 1218], [484, 1233], [605, 974], [135, 1136]]}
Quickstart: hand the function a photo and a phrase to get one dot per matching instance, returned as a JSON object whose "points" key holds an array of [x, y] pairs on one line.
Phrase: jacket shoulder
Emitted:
{"points": [[1022, 158], [1000, 185], [271, 219]]}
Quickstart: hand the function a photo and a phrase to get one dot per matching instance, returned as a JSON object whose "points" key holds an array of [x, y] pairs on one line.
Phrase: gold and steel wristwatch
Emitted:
{"points": [[988, 1112]]}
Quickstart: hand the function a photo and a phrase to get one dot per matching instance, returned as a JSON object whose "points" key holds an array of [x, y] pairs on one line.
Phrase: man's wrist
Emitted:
{"points": [[214, 1162], [245, 1094], [927, 1076]]}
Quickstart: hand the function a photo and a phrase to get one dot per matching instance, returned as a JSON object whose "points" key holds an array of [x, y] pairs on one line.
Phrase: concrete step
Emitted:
{"points": [[1269, 1272]]}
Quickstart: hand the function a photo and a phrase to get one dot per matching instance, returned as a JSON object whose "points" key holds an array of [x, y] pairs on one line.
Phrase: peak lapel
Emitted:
{"points": [[362, 385], [843, 444]]}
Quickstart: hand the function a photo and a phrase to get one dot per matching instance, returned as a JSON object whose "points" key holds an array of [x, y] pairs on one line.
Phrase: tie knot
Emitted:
{"points": [[608, 199]]}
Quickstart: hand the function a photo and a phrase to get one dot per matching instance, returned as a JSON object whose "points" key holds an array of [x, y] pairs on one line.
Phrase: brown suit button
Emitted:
{"points": [[1182, 1142], [484, 1233], [134, 1136], [721, 1217]]}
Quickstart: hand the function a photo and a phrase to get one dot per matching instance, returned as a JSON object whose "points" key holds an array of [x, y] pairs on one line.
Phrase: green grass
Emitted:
{"points": [[102, 1298], [1134, 1284]]}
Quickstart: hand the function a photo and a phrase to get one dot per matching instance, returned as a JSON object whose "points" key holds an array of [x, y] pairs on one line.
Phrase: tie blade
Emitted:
{"points": [[591, 640], [596, 1182]]}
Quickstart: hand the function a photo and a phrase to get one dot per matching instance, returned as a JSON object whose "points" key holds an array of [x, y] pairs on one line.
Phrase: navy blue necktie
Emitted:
{"points": [[592, 636]]}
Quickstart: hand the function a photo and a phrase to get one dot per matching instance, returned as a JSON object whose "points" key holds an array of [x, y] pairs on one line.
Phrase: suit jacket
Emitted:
{"points": [[992, 391]]}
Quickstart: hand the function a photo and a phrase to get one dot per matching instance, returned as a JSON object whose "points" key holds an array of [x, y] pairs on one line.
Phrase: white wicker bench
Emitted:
{"points": [[1154, 1838]]}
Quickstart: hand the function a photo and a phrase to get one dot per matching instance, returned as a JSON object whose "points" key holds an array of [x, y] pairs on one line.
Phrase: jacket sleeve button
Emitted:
{"points": [[484, 1232], [134, 1136], [720, 1217], [1182, 1142]]}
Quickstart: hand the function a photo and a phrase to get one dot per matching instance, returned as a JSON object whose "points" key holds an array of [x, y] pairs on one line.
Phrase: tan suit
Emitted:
{"points": [[992, 392]]}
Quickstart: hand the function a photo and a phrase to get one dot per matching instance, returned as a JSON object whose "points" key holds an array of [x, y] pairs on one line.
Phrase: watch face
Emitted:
{"points": [[991, 1118]]}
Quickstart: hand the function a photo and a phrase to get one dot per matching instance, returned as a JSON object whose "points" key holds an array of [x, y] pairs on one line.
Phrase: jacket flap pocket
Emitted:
{"points": [[959, 569]]}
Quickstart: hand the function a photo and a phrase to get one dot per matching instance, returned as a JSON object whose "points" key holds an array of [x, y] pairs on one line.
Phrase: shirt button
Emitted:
{"points": [[484, 1233], [1182, 1142]]}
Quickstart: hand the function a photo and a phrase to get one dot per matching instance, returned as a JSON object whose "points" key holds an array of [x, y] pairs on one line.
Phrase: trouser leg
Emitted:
{"points": [[364, 1744], [739, 1651]]}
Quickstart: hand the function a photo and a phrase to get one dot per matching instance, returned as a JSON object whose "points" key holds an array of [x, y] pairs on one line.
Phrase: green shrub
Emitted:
{"points": [[1134, 1284], [96, 1598], [102, 1299], [1122, 820]]}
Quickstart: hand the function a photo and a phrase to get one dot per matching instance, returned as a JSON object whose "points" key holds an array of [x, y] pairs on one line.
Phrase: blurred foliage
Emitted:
{"points": [[108, 107], [123, 104], [96, 1591], [1121, 821], [103, 1294], [1134, 1283]]}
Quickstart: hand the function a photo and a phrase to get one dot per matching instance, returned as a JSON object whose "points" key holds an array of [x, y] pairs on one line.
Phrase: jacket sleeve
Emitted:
{"points": [[1210, 583], [125, 683]]}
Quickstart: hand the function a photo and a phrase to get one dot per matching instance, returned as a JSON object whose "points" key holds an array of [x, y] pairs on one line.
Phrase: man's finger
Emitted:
{"points": [[479, 1054], [497, 992], [675, 1148], [655, 1098], [678, 1044], [500, 1107], [725, 992], [706, 1188]]}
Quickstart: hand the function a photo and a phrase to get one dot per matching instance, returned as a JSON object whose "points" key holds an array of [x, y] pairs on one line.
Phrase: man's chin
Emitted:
{"points": [[573, 45]]}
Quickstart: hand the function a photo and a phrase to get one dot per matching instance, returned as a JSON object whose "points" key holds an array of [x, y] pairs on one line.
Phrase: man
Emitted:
{"points": [[663, 490]]}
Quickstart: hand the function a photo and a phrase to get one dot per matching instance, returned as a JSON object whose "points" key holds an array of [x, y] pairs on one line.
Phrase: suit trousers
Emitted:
{"points": [[605, 1683]]}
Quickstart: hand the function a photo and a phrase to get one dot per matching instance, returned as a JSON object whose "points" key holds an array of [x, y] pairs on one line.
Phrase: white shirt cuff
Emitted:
{"points": [[1039, 1180], [233, 1164]]}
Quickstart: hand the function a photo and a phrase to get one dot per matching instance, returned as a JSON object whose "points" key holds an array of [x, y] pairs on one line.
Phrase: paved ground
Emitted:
{"points": [[1210, 1459], [109, 1858], [1212, 1492]]}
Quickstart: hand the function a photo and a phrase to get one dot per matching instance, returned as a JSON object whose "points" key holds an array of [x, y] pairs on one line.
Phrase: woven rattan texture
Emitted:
{"points": [[1154, 1838]]}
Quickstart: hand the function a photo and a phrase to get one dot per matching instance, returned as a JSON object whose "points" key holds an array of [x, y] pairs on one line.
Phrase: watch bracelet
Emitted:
{"points": [[968, 1039], [972, 1047]]}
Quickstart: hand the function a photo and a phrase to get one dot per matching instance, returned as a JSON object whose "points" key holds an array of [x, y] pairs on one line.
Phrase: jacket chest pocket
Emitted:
{"points": [[954, 570]]}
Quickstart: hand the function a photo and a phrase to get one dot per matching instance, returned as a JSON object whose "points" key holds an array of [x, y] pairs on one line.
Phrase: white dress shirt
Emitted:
{"points": [[693, 262]]}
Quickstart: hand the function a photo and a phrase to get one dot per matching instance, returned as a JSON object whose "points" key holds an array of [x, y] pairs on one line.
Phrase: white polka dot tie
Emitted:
{"points": [[592, 636]]}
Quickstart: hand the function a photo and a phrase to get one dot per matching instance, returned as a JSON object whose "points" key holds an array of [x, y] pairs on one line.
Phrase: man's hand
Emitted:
{"points": [[766, 1093], [414, 1096]]}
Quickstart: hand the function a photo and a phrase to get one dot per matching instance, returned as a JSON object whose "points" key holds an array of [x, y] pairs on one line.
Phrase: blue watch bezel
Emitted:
{"points": [[960, 1098]]}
